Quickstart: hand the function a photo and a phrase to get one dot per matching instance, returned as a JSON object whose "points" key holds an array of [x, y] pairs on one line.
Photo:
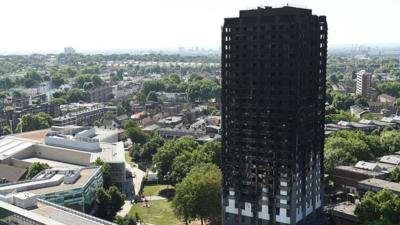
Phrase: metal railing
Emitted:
{"points": [[75, 212]]}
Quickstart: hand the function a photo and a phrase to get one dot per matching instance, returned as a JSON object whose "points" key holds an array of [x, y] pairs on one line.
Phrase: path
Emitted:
{"points": [[137, 182]]}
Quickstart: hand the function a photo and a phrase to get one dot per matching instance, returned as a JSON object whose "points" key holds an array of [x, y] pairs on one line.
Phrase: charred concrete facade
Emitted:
{"points": [[273, 96]]}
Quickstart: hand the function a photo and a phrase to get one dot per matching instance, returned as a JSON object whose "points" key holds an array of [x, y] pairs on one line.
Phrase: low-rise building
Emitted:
{"points": [[386, 99], [347, 177], [342, 214], [375, 185], [357, 111], [170, 122], [87, 114], [72, 188], [100, 94]]}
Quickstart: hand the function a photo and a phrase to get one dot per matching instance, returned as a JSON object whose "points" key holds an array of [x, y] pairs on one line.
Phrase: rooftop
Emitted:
{"points": [[29, 214], [11, 145], [112, 152], [11, 173], [357, 170], [37, 135], [51, 163], [61, 215], [391, 159], [344, 209], [85, 176], [382, 184]]}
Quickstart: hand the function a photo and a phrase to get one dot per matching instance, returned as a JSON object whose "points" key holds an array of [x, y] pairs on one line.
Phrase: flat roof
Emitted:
{"points": [[11, 173], [12, 145], [85, 176], [112, 152], [357, 170], [37, 135], [346, 208], [30, 214], [103, 134], [62, 216], [382, 184], [51, 163]]}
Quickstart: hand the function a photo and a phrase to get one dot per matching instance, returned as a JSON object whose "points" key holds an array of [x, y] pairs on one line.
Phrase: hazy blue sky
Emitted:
{"points": [[36, 25]]}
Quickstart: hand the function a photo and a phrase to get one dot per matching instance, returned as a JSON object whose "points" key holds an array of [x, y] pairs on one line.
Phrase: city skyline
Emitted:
{"points": [[48, 26]]}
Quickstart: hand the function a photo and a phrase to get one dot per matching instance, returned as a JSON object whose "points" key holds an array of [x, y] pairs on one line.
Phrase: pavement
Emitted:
{"points": [[154, 198], [137, 182], [138, 179], [125, 209]]}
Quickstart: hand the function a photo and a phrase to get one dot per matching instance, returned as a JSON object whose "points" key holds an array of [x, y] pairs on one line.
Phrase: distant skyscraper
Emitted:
{"points": [[69, 50], [363, 86], [273, 98]]}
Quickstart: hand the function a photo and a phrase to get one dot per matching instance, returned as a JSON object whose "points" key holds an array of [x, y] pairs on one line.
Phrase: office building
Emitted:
{"points": [[363, 86], [273, 97]]}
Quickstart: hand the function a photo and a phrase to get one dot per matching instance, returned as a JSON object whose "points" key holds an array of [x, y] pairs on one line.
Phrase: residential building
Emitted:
{"points": [[363, 85], [357, 111], [273, 100], [386, 99], [84, 115], [347, 177], [100, 94]]}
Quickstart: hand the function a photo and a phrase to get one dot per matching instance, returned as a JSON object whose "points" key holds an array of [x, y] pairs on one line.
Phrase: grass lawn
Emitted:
{"points": [[159, 213], [154, 189], [128, 158]]}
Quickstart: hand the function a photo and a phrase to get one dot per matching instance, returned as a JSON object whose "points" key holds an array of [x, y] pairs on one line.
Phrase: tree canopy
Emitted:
{"points": [[35, 168], [198, 195], [203, 90], [379, 208], [175, 159], [30, 122], [348, 147], [109, 202], [135, 133]]}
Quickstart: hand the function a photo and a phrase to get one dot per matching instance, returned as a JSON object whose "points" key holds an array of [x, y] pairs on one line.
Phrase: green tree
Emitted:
{"points": [[30, 122], [198, 195], [184, 163], [35, 168], [150, 148], [151, 85], [391, 141], [6, 130], [379, 208], [152, 96], [105, 169], [57, 80], [58, 101], [395, 174], [88, 85], [117, 198], [162, 160], [76, 95], [127, 220], [104, 202], [347, 147], [109, 202], [389, 87], [135, 133], [203, 90], [213, 149]]}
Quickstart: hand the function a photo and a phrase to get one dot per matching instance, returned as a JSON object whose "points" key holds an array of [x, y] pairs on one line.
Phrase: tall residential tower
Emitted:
{"points": [[363, 85], [273, 96]]}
